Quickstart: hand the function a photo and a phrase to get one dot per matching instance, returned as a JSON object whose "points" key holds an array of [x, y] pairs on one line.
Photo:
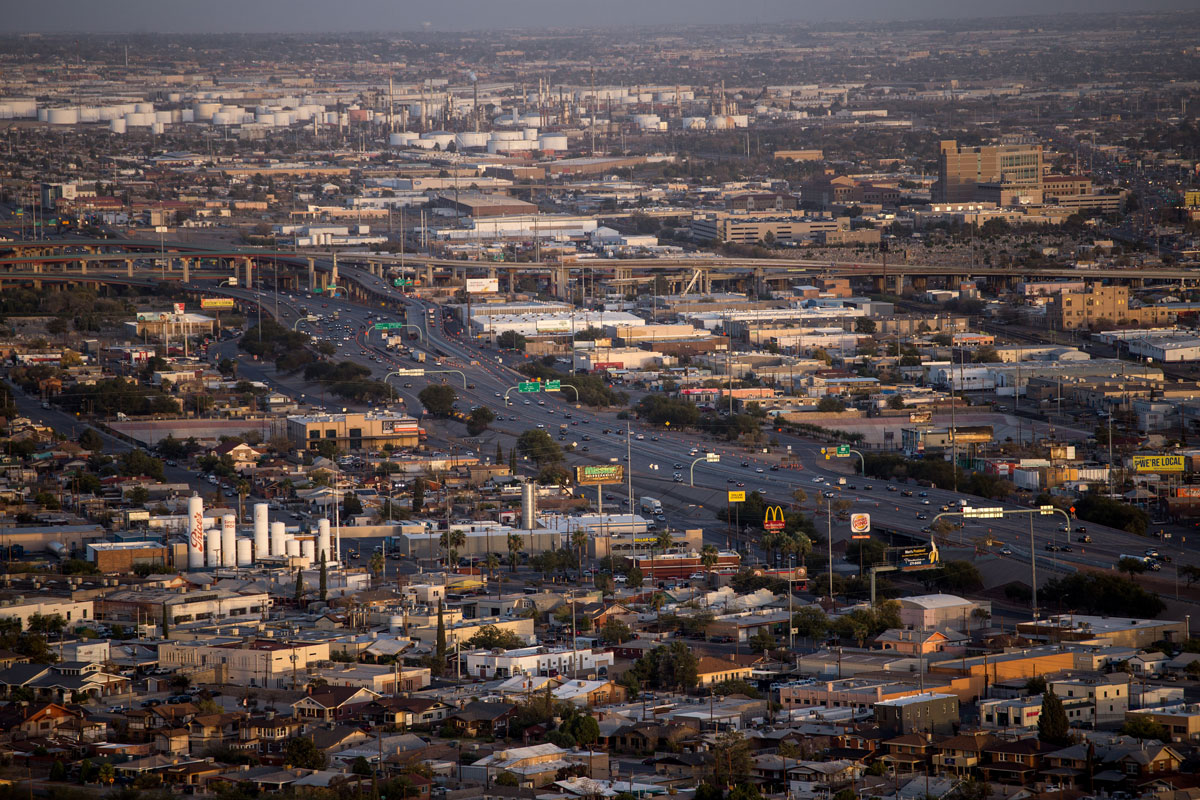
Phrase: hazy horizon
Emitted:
{"points": [[465, 16]]}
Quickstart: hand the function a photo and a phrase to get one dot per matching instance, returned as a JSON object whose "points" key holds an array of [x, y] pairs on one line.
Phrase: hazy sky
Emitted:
{"points": [[288, 16]]}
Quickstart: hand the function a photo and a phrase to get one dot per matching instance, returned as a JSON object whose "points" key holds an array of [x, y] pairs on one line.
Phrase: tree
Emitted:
{"points": [[440, 646], [515, 543], [303, 753], [762, 641], [299, 593], [1141, 727], [709, 556], [507, 778], [811, 622], [489, 637], [511, 340], [438, 399], [360, 766], [731, 761], [1133, 566], [864, 325], [538, 445], [614, 631], [634, 578], [451, 541], [1053, 726], [324, 585], [90, 439], [479, 419], [377, 564], [830, 405], [107, 775], [58, 771], [1036, 685], [418, 495]]}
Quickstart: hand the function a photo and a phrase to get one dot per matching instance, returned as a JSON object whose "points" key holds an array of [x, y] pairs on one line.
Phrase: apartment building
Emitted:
{"points": [[260, 662], [1101, 306], [858, 693], [961, 169], [69, 610], [489, 664], [781, 226]]}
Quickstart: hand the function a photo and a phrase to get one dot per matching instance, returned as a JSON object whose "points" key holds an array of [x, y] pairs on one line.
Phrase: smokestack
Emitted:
{"points": [[195, 510], [529, 506], [213, 552], [229, 541], [323, 540], [278, 535], [261, 548]]}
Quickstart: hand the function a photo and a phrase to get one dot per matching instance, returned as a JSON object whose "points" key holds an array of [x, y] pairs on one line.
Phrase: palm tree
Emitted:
{"points": [[107, 774], [377, 564], [451, 540], [579, 540], [709, 557], [657, 601], [243, 489], [515, 543], [492, 562], [662, 542]]}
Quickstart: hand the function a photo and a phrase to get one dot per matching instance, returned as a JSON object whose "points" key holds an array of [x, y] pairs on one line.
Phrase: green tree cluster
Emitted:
{"points": [[1101, 593]]}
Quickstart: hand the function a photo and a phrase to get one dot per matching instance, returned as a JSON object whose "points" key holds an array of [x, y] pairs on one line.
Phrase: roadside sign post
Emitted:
{"points": [[709, 458], [736, 498]]}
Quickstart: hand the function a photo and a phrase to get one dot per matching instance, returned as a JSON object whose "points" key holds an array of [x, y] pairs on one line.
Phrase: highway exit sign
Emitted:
{"points": [[388, 326], [553, 386], [843, 450], [712, 458], [410, 372], [529, 386]]}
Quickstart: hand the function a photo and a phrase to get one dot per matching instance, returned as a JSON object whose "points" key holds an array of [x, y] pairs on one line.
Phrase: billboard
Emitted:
{"points": [[609, 365], [483, 285], [737, 497], [155, 316], [1187, 491], [1158, 463], [178, 308], [920, 416], [918, 557], [553, 326], [860, 523], [599, 474], [216, 303]]}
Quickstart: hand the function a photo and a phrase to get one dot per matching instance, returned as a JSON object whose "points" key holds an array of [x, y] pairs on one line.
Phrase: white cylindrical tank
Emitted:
{"points": [[245, 556], [323, 540], [292, 548], [261, 545], [278, 536], [472, 139], [528, 506], [63, 116], [89, 114], [43, 114], [157, 128], [195, 509], [229, 541], [204, 111], [116, 126], [555, 141], [213, 553], [144, 108], [187, 115], [529, 134], [163, 116], [308, 549]]}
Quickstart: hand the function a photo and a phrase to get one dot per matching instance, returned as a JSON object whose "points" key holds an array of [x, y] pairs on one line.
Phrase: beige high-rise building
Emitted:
{"points": [[962, 169]]}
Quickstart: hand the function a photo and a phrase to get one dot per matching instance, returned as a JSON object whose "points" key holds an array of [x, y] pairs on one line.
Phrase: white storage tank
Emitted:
{"points": [[116, 126], [403, 138], [323, 540], [506, 136], [163, 116], [261, 523], [157, 128], [225, 118], [470, 140], [557, 142], [265, 119], [244, 552], [62, 116], [692, 123], [43, 114], [441, 138], [174, 97], [144, 108], [718, 122], [308, 550], [204, 111], [740, 120], [228, 541], [195, 507], [89, 114], [213, 547], [278, 538], [292, 548], [529, 134], [187, 115]]}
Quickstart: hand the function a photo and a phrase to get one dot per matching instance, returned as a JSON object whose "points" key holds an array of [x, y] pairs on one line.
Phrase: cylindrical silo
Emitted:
{"points": [[308, 549], [187, 115], [213, 553], [244, 556], [323, 540], [144, 108], [195, 508], [228, 541], [278, 533], [528, 506], [116, 126], [261, 547], [63, 116], [292, 548], [157, 128]]}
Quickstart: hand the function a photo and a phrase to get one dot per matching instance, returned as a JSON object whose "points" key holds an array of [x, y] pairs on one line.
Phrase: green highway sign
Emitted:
{"points": [[402, 282], [529, 386], [843, 450], [553, 386], [388, 326]]}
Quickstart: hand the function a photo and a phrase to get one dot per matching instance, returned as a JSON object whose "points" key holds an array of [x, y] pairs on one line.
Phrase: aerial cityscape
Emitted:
{"points": [[452, 407]]}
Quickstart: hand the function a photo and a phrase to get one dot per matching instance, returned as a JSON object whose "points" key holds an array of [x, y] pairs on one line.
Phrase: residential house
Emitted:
{"points": [[918, 642], [214, 731], [650, 737], [171, 741], [333, 703], [482, 719], [910, 752], [710, 670], [534, 766], [822, 777], [1014, 762], [961, 755]]}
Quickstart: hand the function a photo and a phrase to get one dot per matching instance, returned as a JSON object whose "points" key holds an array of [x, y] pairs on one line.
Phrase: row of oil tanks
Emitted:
{"points": [[221, 546], [524, 140]]}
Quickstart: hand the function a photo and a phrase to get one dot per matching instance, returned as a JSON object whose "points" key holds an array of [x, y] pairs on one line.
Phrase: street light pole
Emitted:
{"points": [[829, 542]]}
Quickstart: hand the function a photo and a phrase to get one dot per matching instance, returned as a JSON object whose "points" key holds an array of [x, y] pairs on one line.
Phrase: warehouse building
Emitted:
{"points": [[355, 430]]}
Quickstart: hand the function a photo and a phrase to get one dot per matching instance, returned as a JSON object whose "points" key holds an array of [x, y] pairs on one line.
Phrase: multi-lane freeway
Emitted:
{"points": [[654, 456]]}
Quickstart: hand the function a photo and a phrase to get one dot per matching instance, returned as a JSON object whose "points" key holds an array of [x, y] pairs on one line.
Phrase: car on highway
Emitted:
{"points": [[677, 465], [1151, 553], [745, 463], [740, 484], [759, 470], [1005, 551], [906, 493], [891, 488], [818, 480], [1085, 539], [1051, 547], [922, 516], [774, 468]]}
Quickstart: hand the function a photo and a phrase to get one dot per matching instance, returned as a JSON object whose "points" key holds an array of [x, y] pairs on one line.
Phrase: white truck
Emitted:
{"points": [[651, 505], [418, 356]]}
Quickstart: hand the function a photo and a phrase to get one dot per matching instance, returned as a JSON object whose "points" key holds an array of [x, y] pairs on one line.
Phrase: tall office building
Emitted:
{"points": [[962, 170]]}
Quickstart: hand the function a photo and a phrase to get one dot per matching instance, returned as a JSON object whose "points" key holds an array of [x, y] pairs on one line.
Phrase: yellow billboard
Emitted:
{"points": [[216, 303], [737, 497], [1158, 463]]}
